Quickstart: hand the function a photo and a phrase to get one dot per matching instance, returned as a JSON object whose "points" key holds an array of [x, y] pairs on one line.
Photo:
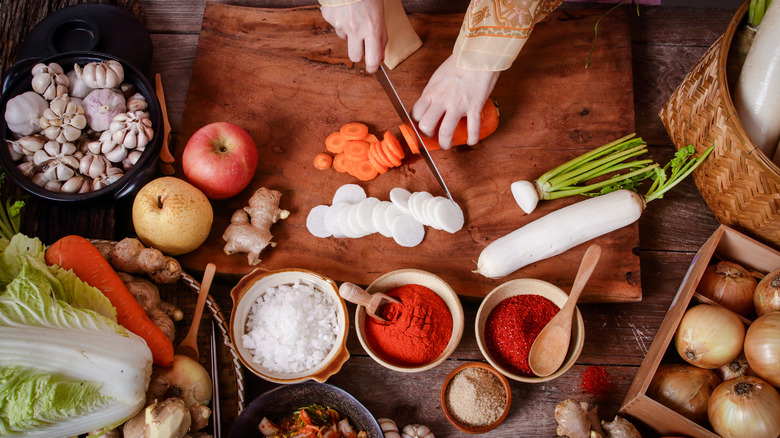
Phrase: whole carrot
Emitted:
{"points": [[80, 255]]}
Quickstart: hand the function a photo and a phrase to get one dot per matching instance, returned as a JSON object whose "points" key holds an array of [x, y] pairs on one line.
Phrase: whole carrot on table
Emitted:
{"points": [[80, 255]]}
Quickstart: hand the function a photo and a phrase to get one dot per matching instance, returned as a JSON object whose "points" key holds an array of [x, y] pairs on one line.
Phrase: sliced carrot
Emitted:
{"points": [[393, 145], [322, 161], [364, 171], [430, 143], [371, 139], [339, 162], [389, 154], [356, 148], [335, 142], [354, 131], [381, 156], [378, 167]]}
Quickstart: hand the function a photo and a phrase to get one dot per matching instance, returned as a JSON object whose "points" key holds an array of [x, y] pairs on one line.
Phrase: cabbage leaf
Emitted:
{"points": [[66, 366]]}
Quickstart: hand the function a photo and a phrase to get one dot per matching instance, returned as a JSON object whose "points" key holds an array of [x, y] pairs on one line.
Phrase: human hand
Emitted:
{"points": [[452, 93], [362, 24]]}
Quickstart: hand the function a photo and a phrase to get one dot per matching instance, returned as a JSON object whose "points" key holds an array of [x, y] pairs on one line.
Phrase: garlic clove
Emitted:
{"points": [[53, 186], [27, 168]]}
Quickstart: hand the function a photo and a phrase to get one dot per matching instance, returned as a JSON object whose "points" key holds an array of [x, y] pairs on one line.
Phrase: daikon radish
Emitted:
{"points": [[607, 168], [757, 94], [315, 221], [559, 231], [580, 222]]}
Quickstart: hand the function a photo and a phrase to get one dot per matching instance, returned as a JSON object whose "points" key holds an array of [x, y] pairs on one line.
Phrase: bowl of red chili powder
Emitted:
{"points": [[421, 331], [509, 319]]}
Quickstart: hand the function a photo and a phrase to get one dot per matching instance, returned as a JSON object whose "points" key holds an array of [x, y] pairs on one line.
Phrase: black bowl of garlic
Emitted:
{"points": [[79, 127]]}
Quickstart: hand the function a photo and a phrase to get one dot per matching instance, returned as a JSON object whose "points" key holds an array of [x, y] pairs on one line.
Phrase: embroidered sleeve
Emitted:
{"points": [[337, 2], [494, 31]]}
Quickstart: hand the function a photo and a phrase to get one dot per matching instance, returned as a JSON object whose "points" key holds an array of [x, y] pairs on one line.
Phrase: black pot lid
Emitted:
{"points": [[90, 27]]}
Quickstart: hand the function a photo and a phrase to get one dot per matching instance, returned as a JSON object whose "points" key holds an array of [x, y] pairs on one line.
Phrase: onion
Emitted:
{"points": [[736, 368], [745, 407], [709, 336], [762, 347], [730, 285], [767, 295], [684, 389]]}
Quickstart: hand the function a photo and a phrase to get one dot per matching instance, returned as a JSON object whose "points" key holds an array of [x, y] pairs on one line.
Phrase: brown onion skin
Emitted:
{"points": [[748, 398], [767, 295], [694, 405], [762, 347], [729, 285]]}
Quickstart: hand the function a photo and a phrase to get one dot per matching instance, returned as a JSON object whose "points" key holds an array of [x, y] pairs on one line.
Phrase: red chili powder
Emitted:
{"points": [[513, 325], [596, 381], [417, 330]]}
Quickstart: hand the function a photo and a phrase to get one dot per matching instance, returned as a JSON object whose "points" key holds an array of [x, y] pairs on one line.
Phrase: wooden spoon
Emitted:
{"points": [[355, 294], [189, 346], [549, 348]]}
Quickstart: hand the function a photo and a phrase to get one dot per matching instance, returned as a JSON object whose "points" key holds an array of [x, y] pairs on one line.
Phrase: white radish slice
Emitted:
{"points": [[525, 195], [378, 217], [449, 216], [400, 197], [407, 232], [416, 206], [344, 224], [332, 220], [349, 193], [352, 220], [429, 207], [391, 213], [315, 221], [365, 210]]}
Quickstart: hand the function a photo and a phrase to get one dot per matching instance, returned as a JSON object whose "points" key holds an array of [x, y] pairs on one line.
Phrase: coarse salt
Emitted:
{"points": [[291, 328]]}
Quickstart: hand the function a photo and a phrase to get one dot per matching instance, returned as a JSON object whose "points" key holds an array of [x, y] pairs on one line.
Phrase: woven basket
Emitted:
{"points": [[738, 181]]}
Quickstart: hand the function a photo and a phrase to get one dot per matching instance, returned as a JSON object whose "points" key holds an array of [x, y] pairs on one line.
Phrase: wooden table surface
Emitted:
{"points": [[666, 43]]}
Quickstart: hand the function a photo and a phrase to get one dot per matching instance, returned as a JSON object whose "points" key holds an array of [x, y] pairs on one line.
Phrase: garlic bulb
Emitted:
{"points": [[416, 431], [27, 168], [101, 106], [63, 120], [77, 184], [389, 428], [49, 80], [77, 87], [137, 102], [133, 130], [111, 176], [105, 74], [23, 113], [94, 165], [57, 161], [112, 150]]}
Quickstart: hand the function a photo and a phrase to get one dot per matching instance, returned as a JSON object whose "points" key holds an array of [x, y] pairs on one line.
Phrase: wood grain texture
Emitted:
{"points": [[278, 62]]}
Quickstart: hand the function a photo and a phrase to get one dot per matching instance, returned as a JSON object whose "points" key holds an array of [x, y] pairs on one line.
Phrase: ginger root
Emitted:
{"points": [[575, 420], [169, 418], [250, 228], [148, 296], [130, 255]]}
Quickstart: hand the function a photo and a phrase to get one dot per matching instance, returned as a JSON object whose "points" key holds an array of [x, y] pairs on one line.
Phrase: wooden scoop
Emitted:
{"points": [[189, 346], [549, 348], [355, 294]]}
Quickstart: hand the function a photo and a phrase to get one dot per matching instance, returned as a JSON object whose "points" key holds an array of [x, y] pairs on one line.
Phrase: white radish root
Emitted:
{"points": [[349, 193], [407, 232], [525, 195], [315, 221], [400, 197]]}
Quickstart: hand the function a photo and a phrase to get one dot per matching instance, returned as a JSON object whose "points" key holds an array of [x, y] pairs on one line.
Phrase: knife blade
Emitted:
{"points": [[395, 99]]}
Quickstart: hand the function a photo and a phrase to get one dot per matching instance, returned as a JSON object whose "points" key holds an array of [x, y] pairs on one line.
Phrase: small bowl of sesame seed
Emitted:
{"points": [[475, 397]]}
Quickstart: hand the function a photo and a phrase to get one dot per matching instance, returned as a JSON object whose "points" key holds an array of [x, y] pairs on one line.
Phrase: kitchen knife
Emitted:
{"points": [[395, 99]]}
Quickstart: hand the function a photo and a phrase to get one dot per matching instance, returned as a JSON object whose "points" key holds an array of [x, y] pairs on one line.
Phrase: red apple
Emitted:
{"points": [[220, 159]]}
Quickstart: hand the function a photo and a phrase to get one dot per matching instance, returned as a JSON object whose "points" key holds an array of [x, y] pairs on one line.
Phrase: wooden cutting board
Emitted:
{"points": [[284, 75]]}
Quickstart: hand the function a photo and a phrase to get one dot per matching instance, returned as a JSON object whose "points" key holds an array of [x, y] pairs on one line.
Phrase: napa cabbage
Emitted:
{"points": [[66, 366]]}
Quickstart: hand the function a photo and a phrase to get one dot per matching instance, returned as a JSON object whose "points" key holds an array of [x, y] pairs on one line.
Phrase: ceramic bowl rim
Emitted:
{"points": [[472, 429], [515, 287], [453, 304], [335, 357]]}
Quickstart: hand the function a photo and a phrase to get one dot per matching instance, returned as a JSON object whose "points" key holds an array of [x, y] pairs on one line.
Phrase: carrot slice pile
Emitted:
{"points": [[360, 153]]}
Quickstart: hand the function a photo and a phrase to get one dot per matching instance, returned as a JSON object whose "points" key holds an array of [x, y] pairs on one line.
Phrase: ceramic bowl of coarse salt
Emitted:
{"points": [[412, 323], [289, 325], [509, 319]]}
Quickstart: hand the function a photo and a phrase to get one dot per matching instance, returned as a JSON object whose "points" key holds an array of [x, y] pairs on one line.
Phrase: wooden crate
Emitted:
{"points": [[726, 244]]}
